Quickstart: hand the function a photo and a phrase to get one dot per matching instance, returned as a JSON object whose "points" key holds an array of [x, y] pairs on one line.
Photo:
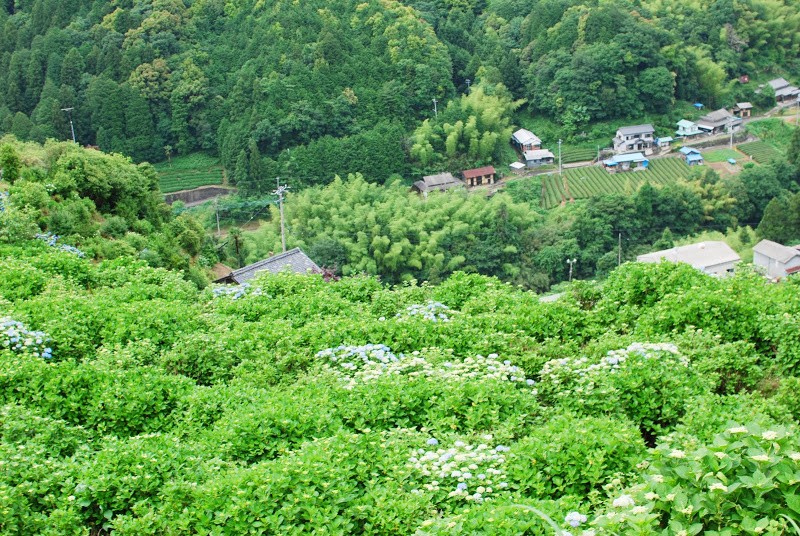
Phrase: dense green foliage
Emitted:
{"points": [[318, 88], [165, 409]]}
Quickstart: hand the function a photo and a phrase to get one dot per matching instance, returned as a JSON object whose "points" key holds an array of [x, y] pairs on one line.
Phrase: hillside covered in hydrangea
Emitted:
{"points": [[660, 401]]}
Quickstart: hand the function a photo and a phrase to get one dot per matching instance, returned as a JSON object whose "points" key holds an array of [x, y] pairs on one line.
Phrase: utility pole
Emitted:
{"points": [[571, 262], [435, 111], [216, 210], [559, 157], [279, 192], [730, 125], [71, 127], [469, 82], [619, 250]]}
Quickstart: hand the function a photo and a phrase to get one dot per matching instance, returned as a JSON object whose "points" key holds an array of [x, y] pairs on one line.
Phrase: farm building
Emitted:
{"points": [[538, 158], [742, 109], [664, 142], [687, 129], [713, 258], [691, 156], [479, 176], [632, 139], [291, 261], [776, 259], [440, 183], [525, 140], [784, 91], [719, 121], [626, 162]]}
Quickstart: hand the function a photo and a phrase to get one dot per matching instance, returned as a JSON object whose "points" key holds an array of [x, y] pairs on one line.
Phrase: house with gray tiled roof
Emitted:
{"points": [[634, 139], [293, 260]]}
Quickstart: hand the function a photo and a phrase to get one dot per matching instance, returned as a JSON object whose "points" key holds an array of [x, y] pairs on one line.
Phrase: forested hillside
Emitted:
{"points": [[346, 83]]}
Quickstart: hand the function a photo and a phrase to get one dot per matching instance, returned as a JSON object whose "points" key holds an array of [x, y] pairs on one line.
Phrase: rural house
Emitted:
{"points": [[538, 158], [742, 109], [479, 176], [776, 259], [687, 129], [440, 183], [713, 258], [692, 156], [634, 139], [784, 91], [719, 121], [664, 142], [525, 140], [626, 162], [293, 260]]}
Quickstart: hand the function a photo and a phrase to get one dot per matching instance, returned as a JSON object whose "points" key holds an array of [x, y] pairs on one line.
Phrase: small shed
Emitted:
{"points": [[692, 156], [742, 109], [293, 260], [479, 176], [664, 142], [525, 140], [441, 182], [517, 167], [538, 158]]}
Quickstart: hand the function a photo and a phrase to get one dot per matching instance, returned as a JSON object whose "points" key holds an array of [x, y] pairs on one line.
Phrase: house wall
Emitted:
{"points": [[773, 267], [724, 268]]}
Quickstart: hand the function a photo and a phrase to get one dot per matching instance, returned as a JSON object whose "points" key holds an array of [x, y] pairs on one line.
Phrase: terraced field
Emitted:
{"points": [[761, 151], [568, 156], [593, 181], [187, 172]]}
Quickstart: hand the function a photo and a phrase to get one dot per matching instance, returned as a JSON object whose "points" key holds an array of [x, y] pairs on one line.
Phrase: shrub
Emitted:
{"points": [[591, 452]]}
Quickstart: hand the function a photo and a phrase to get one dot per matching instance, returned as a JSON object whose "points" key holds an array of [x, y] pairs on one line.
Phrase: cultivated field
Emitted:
{"points": [[582, 183], [191, 171], [762, 152]]}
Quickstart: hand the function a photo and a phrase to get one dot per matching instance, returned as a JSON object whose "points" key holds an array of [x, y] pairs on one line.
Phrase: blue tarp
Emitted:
{"points": [[731, 161], [698, 105]]}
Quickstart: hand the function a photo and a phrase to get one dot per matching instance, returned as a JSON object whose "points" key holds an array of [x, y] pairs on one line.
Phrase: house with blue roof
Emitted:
{"points": [[692, 156], [626, 162]]}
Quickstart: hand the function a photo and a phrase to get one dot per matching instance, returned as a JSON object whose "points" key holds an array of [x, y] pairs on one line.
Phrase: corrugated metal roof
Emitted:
{"points": [[526, 137], [774, 250], [442, 181], [631, 157], [688, 150], [293, 260], [694, 157], [702, 255], [685, 123], [636, 129], [538, 154], [744, 105], [478, 172]]}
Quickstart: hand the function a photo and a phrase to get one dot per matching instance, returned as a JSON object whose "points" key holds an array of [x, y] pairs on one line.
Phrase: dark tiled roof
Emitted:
{"points": [[293, 260], [442, 182]]}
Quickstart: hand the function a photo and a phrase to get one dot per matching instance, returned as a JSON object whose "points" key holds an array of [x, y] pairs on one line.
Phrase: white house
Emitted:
{"points": [[525, 140], [634, 139], [538, 158], [713, 258], [776, 259]]}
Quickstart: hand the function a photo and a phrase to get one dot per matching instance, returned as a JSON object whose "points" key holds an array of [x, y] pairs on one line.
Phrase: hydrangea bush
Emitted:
{"points": [[651, 383], [744, 482], [432, 311], [363, 364], [15, 336], [464, 472], [52, 240], [235, 292]]}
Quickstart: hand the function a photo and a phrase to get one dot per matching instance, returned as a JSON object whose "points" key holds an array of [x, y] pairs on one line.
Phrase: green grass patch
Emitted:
{"points": [[761, 151], [722, 155], [190, 171]]}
